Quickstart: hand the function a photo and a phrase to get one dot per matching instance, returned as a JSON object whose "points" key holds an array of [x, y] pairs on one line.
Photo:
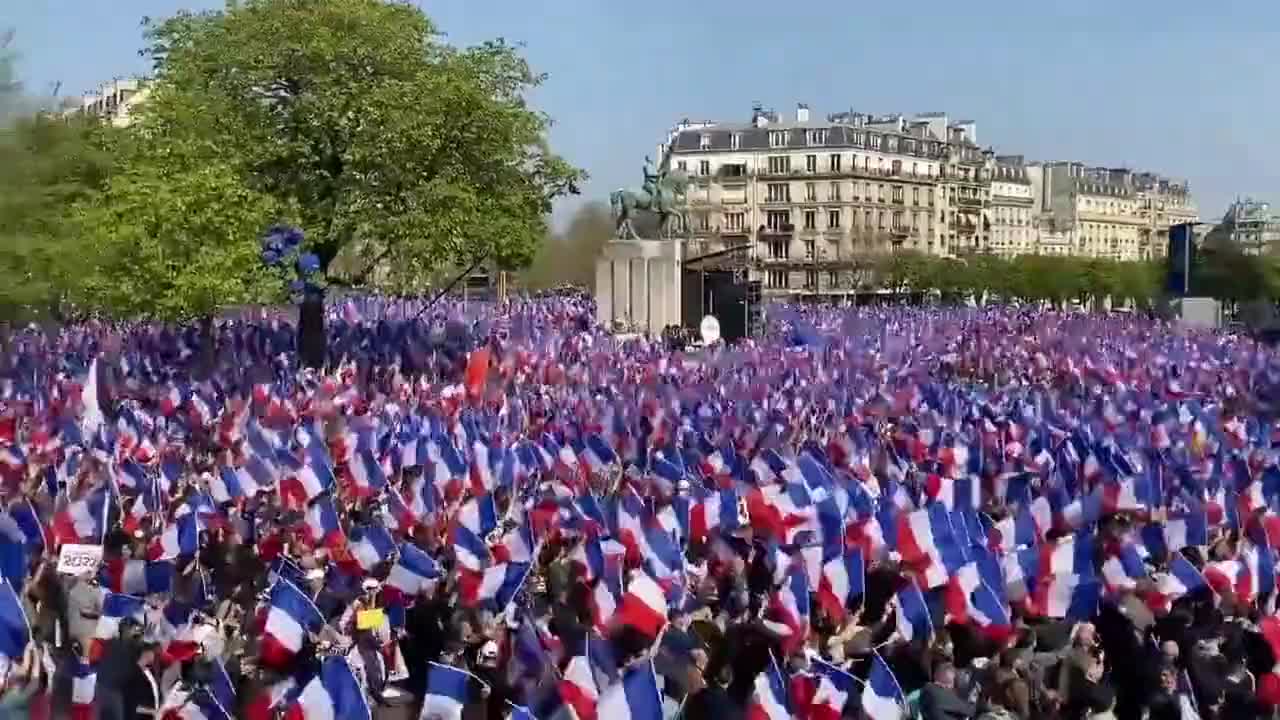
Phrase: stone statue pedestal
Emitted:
{"points": [[638, 284]]}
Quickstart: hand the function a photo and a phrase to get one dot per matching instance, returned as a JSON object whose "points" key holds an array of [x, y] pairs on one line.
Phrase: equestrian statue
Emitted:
{"points": [[661, 194]]}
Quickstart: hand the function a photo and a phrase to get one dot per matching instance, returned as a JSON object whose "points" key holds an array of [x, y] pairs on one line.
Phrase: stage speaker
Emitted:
{"points": [[1180, 260]]}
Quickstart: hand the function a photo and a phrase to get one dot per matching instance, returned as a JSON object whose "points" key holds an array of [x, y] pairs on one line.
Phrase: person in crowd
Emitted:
{"points": [[939, 699]]}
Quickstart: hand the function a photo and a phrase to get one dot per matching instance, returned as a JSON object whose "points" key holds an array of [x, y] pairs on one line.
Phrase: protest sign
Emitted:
{"points": [[79, 559]]}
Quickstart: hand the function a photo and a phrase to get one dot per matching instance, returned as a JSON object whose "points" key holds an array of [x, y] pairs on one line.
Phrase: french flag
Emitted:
{"points": [[579, 688], [448, 691], [843, 578], [769, 699], [367, 473], [115, 608], [482, 477], [15, 633], [232, 484], [724, 511], [1228, 576], [1066, 596], [1188, 530], [290, 617], [373, 546], [323, 528], [138, 577], [1070, 555], [788, 611], [28, 522], [921, 537], [636, 696], [413, 572], [84, 687], [606, 597], [181, 538], [333, 694], [882, 697], [643, 607], [1182, 579], [1260, 567], [1122, 570], [980, 604], [599, 456], [496, 585], [834, 688], [913, 614], [83, 520]]}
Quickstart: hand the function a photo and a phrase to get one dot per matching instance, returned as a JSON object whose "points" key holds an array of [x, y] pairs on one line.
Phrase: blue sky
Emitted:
{"points": [[1182, 87]]}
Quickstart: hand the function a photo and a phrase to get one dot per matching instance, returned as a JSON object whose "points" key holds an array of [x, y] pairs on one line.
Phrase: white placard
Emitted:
{"points": [[710, 329], [79, 559]]}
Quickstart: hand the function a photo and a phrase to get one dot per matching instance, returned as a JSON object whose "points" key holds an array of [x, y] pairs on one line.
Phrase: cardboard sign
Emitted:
{"points": [[79, 559], [370, 619]]}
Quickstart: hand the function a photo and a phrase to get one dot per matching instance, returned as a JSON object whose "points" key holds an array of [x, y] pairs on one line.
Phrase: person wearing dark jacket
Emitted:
{"points": [[938, 699], [115, 671]]}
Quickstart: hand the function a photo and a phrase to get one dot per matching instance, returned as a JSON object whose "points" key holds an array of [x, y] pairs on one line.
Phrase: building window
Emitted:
{"points": [[833, 192], [778, 220], [779, 164], [735, 141], [915, 196], [809, 252], [870, 224], [915, 221], [897, 194], [734, 222], [704, 167], [779, 250], [817, 137], [897, 220], [682, 166], [833, 161], [881, 220], [880, 192], [704, 142], [833, 279], [858, 139], [777, 279], [811, 279], [778, 192], [891, 143], [777, 138], [810, 219], [810, 192], [811, 163], [704, 222], [930, 197], [833, 219], [875, 141]]}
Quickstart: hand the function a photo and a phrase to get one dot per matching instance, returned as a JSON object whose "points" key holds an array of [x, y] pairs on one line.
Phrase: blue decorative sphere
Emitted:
{"points": [[308, 263]]}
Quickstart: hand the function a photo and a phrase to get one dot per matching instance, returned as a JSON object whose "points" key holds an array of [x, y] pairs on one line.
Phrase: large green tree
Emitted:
{"points": [[397, 149], [382, 134], [47, 166]]}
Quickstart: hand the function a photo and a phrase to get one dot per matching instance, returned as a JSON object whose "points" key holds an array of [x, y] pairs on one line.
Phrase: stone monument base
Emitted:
{"points": [[638, 285]]}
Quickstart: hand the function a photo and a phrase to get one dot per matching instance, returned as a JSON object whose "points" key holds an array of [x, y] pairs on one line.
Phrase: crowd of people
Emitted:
{"points": [[504, 511]]}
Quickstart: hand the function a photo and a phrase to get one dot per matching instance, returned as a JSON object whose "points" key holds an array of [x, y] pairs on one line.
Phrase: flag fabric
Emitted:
{"points": [[769, 698], [333, 694], [448, 691], [882, 697], [291, 616], [643, 607], [15, 632], [635, 697]]}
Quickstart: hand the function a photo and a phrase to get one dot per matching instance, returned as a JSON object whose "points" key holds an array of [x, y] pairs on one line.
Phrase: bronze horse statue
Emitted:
{"points": [[661, 195]]}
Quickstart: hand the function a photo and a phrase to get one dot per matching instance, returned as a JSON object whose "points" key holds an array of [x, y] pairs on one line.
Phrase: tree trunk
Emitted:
{"points": [[313, 342], [208, 353]]}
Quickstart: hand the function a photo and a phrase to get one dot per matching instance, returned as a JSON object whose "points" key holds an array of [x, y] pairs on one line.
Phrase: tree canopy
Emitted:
{"points": [[390, 144]]}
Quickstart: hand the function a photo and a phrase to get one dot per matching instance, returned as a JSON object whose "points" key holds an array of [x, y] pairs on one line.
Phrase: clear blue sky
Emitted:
{"points": [[1186, 88]]}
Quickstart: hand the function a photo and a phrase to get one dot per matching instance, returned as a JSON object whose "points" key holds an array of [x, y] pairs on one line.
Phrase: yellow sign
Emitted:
{"points": [[370, 619]]}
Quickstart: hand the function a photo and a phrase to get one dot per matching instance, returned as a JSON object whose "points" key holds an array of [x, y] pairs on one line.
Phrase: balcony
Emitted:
{"points": [[787, 229], [968, 202]]}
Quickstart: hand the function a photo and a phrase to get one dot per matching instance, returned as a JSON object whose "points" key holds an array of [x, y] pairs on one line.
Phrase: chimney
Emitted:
{"points": [[802, 113]]}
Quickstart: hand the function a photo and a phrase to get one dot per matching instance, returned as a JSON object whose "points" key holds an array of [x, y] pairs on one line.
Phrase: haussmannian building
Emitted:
{"points": [[812, 200]]}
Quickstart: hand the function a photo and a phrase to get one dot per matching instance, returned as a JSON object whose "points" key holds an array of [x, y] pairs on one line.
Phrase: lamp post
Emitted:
{"points": [[282, 248]]}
